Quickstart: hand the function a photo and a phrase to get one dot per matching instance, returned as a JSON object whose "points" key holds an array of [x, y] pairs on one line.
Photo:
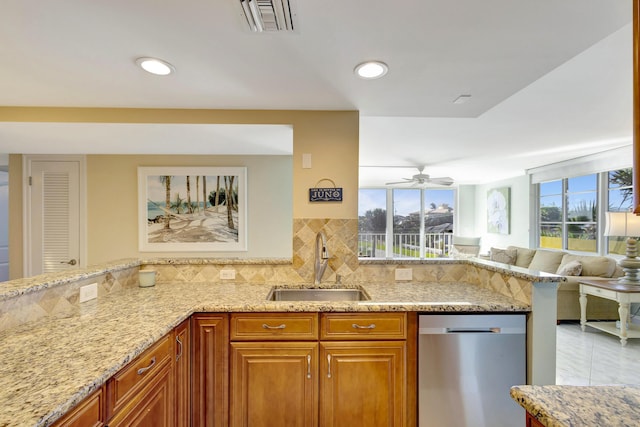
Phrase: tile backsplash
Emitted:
{"points": [[342, 243]]}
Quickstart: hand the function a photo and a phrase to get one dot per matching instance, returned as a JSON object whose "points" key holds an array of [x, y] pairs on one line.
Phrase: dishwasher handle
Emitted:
{"points": [[470, 330], [473, 330]]}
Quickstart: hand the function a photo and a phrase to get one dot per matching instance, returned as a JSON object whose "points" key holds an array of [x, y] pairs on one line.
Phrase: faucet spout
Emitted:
{"points": [[321, 257]]}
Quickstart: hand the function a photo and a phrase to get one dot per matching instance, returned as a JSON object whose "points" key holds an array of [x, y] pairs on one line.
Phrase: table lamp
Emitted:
{"points": [[626, 224]]}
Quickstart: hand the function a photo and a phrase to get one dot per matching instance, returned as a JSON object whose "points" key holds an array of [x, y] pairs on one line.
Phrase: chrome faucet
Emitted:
{"points": [[321, 257]]}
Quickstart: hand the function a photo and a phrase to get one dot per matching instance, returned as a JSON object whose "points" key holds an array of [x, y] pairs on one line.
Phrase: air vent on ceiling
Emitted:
{"points": [[268, 15]]}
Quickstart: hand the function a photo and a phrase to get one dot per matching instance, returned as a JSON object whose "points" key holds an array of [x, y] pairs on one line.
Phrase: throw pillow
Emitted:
{"points": [[506, 256], [572, 268], [524, 257], [547, 261], [593, 265]]}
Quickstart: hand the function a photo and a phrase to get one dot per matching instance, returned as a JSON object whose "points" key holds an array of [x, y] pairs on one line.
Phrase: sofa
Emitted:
{"points": [[574, 268]]}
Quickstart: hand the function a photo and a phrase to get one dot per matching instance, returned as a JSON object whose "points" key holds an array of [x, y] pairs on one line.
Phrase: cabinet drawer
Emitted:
{"points": [[340, 326], [274, 326], [126, 383], [604, 293], [88, 413]]}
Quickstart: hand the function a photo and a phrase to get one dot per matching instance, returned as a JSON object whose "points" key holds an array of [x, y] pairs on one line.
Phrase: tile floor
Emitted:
{"points": [[594, 357]]}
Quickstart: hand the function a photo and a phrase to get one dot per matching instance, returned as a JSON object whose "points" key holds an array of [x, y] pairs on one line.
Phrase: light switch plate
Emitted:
{"points": [[404, 273], [227, 274], [88, 292]]}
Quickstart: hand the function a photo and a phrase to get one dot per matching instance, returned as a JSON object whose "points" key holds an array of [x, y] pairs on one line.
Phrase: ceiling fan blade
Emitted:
{"points": [[407, 181], [443, 180]]}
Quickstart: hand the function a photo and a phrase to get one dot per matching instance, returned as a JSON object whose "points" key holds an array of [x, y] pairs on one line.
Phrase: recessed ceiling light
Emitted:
{"points": [[155, 66], [371, 70]]}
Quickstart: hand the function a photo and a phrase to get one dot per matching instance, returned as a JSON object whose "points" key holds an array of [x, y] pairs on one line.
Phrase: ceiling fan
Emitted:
{"points": [[423, 178]]}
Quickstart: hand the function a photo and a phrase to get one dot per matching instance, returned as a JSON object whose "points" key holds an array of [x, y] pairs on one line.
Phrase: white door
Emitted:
{"points": [[54, 215]]}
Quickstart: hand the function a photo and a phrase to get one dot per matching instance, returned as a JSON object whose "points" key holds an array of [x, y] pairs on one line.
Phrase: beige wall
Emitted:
{"points": [[331, 137], [112, 203]]}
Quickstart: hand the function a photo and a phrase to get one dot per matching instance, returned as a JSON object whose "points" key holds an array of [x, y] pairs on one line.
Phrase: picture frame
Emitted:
{"points": [[186, 209], [499, 210]]}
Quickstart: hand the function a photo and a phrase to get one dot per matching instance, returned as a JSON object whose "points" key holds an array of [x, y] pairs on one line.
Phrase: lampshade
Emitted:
{"points": [[623, 224]]}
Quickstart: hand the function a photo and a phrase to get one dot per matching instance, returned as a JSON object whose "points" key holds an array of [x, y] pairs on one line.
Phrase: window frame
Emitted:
{"points": [[602, 206], [389, 231]]}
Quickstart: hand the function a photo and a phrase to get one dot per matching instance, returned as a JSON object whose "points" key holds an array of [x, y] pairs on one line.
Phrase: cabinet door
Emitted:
{"points": [[363, 384], [274, 384], [182, 372], [155, 406], [210, 333], [89, 413]]}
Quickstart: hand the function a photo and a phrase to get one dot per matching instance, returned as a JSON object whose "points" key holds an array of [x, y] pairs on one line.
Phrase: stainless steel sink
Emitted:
{"points": [[317, 294]]}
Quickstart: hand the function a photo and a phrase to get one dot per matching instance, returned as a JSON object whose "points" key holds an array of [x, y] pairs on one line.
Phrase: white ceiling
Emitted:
{"points": [[550, 80]]}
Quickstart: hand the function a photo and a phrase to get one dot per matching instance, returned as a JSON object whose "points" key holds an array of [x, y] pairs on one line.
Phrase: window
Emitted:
{"points": [[619, 199], [372, 222], [581, 219], [569, 217], [417, 222], [551, 214]]}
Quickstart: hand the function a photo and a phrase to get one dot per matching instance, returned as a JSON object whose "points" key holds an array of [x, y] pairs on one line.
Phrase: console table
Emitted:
{"points": [[623, 294]]}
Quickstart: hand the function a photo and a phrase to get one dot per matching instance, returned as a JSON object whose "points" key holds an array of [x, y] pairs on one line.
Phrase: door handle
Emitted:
{"points": [[70, 262]]}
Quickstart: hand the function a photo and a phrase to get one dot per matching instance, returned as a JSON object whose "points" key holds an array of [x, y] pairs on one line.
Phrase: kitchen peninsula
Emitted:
{"points": [[52, 363]]}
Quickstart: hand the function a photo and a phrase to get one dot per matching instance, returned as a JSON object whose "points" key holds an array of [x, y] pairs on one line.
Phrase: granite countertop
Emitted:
{"points": [[581, 406], [50, 366]]}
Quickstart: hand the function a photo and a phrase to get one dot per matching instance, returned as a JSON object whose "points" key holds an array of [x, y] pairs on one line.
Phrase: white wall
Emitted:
{"points": [[519, 216], [466, 209]]}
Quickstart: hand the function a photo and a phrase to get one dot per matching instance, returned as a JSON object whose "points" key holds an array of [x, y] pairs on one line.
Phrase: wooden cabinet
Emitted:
{"points": [[142, 393], [182, 371], [363, 380], [274, 383], [265, 369], [88, 413], [363, 383], [532, 422], [274, 370], [210, 371], [351, 370], [153, 405]]}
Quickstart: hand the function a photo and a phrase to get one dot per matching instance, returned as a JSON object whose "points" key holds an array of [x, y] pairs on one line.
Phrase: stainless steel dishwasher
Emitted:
{"points": [[466, 365]]}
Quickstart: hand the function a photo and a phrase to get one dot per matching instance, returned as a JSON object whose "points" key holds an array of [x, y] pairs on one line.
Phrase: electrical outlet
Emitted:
{"points": [[404, 273], [88, 292], [227, 274]]}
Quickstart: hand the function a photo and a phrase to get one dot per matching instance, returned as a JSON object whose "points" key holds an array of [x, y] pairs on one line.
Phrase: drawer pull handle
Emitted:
{"points": [[179, 355], [265, 326], [309, 366], [143, 370], [356, 326], [328, 366]]}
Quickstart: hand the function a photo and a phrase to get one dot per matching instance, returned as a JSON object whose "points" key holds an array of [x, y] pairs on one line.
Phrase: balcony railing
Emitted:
{"points": [[405, 245]]}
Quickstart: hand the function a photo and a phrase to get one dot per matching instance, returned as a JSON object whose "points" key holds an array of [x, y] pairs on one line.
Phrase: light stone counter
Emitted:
{"points": [[581, 406], [49, 366]]}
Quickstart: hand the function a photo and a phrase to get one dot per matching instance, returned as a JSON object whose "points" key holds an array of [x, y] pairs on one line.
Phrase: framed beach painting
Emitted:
{"points": [[192, 209], [498, 210]]}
